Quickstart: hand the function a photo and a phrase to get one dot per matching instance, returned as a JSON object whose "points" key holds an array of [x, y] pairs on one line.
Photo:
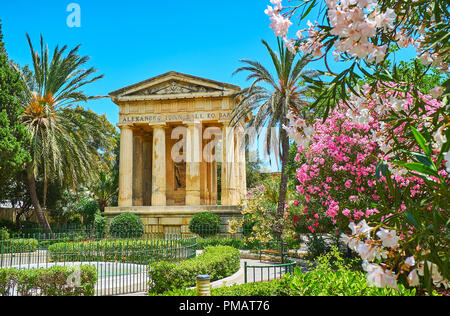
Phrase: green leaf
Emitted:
{"points": [[418, 167], [411, 219], [421, 141]]}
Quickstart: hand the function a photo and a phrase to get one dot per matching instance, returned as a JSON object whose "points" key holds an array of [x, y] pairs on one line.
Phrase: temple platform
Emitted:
{"points": [[173, 219]]}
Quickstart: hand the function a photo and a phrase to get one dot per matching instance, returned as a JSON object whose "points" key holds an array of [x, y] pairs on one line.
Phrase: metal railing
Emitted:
{"points": [[261, 273], [121, 263]]}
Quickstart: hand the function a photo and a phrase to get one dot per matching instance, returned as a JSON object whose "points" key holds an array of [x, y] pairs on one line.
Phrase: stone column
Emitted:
{"points": [[193, 161], [242, 165], [147, 170], [138, 172], [234, 170], [214, 182], [126, 166], [228, 172], [159, 166]]}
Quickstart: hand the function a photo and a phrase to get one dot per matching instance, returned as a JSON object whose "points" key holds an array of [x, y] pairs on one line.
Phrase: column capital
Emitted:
{"points": [[124, 126], [192, 123], [225, 123], [157, 125]]}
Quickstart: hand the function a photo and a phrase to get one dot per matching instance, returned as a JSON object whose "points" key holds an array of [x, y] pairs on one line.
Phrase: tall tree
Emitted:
{"points": [[268, 100], [13, 135], [66, 139]]}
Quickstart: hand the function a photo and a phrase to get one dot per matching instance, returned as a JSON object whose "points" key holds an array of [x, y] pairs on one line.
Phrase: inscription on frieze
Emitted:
{"points": [[176, 117]]}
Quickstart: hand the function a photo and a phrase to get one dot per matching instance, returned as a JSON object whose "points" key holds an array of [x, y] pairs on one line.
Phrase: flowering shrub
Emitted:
{"points": [[385, 260], [409, 211], [259, 212], [338, 178]]}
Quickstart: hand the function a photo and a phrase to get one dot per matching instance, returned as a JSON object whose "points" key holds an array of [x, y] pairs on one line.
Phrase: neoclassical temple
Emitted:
{"points": [[175, 129]]}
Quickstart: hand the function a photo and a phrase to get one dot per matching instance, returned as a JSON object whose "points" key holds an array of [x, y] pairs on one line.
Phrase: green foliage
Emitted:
{"points": [[335, 277], [13, 137], [332, 277], [18, 245], [9, 225], [218, 262], [205, 224], [237, 243], [126, 225], [254, 174], [272, 288], [54, 281], [4, 235], [87, 208], [259, 213], [121, 250], [100, 225], [316, 245]]}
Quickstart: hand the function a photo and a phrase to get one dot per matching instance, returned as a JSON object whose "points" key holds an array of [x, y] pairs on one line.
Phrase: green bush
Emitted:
{"points": [[10, 226], [218, 262], [205, 224], [54, 281], [18, 245], [271, 288], [127, 225], [232, 242], [126, 250], [333, 276], [87, 208], [100, 225], [4, 233]]}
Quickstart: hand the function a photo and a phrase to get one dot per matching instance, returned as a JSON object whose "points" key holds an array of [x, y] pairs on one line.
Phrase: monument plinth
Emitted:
{"points": [[175, 129]]}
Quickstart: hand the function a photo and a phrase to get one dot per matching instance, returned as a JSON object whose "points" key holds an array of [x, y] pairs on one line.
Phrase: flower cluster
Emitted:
{"points": [[338, 176], [280, 25], [355, 23], [356, 28], [379, 244]]}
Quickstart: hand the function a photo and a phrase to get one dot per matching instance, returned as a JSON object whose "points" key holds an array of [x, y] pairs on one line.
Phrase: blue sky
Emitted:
{"points": [[130, 41]]}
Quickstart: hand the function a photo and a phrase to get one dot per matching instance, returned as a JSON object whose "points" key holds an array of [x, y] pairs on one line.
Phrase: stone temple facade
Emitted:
{"points": [[175, 129]]}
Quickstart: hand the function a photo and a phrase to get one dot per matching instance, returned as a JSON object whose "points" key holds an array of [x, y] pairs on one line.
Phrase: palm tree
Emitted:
{"points": [[106, 188], [268, 100], [65, 139]]}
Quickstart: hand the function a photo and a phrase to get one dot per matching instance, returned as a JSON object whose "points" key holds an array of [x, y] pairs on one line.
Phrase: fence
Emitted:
{"points": [[260, 273], [121, 263]]}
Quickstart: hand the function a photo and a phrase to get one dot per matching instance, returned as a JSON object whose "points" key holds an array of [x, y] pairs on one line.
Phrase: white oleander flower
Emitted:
{"points": [[389, 238], [362, 228], [413, 278]]}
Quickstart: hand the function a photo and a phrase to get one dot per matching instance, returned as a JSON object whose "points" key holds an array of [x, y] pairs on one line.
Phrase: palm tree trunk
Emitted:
{"points": [[44, 194], [283, 183], [37, 206]]}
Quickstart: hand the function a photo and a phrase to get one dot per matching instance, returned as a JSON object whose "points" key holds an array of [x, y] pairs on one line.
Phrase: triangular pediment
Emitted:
{"points": [[173, 84], [173, 87]]}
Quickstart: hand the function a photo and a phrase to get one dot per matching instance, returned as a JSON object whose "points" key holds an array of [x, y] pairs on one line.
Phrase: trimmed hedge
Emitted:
{"points": [[121, 250], [232, 242], [127, 225], [271, 288], [218, 262], [54, 281], [205, 224], [308, 285], [18, 245], [332, 276]]}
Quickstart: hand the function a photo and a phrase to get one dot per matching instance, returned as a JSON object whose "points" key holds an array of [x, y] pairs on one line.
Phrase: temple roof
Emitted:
{"points": [[174, 85]]}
